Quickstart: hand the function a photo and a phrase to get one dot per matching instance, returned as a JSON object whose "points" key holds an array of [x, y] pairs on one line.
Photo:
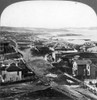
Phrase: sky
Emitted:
{"points": [[49, 14]]}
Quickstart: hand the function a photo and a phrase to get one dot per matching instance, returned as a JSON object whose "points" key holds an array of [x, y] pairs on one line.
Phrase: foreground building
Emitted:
{"points": [[13, 70], [11, 73], [84, 69]]}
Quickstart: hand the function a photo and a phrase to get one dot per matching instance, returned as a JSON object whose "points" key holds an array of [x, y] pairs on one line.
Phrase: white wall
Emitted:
{"points": [[12, 75]]}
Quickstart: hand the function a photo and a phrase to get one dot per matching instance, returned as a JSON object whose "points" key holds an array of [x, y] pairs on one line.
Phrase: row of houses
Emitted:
{"points": [[12, 64], [6, 46], [79, 64], [14, 68]]}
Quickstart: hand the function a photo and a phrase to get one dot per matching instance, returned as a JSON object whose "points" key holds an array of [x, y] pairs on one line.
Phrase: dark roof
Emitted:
{"points": [[60, 64], [82, 55], [83, 62], [13, 56], [20, 65], [13, 68], [41, 50], [61, 48]]}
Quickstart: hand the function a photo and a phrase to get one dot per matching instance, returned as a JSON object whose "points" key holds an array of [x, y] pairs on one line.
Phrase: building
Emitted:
{"points": [[5, 47], [82, 68], [13, 70], [13, 73]]}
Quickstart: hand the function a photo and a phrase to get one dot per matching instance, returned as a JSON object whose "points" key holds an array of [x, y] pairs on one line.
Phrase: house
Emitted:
{"points": [[3, 44], [5, 47], [58, 53], [11, 72], [82, 68]]}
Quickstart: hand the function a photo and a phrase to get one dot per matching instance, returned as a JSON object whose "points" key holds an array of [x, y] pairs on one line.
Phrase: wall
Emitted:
{"points": [[12, 76], [93, 70]]}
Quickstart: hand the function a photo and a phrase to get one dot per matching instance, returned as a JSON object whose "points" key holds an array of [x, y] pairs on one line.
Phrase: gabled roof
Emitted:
{"points": [[12, 65], [13, 68]]}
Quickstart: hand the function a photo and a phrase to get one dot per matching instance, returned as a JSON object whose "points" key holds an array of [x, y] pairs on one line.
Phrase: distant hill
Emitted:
{"points": [[5, 28], [14, 29]]}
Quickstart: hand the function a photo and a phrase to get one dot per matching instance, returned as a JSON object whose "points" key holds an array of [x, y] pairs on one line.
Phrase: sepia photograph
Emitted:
{"points": [[48, 49]]}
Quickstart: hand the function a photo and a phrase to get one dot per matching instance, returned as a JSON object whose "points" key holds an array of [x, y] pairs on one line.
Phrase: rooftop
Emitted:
{"points": [[13, 67], [83, 62], [15, 55]]}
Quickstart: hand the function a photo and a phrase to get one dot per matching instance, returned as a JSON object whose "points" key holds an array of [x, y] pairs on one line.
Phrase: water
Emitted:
{"points": [[25, 92], [79, 34]]}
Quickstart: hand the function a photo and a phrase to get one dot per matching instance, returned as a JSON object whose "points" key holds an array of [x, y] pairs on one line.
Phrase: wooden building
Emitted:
{"points": [[5, 47], [13, 70], [81, 68], [84, 69]]}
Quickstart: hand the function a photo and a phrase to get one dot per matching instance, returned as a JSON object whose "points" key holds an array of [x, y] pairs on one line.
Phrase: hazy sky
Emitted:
{"points": [[49, 14]]}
